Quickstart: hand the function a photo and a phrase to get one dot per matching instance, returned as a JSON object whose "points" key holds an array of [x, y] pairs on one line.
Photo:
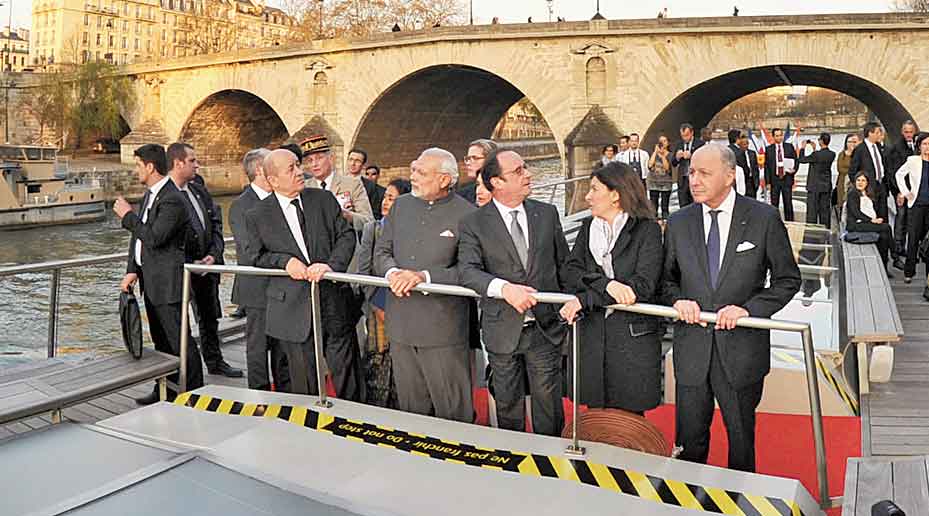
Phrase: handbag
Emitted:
{"points": [[924, 249], [131, 323], [856, 237]]}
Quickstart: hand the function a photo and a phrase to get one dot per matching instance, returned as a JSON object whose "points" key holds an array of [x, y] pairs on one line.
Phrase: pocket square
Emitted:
{"points": [[744, 246], [447, 233]]}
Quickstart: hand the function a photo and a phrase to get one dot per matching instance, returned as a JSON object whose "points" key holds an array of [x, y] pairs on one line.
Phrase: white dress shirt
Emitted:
{"points": [[153, 193], [867, 207], [724, 220], [739, 180], [260, 192], [642, 155], [495, 289], [290, 213]]}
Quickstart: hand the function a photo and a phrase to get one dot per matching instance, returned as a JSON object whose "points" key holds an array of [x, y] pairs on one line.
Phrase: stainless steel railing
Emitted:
{"points": [[574, 449], [55, 268]]}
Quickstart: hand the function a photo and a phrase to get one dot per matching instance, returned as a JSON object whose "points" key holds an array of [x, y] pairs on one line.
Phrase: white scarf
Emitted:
{"points": [[602, 238]]}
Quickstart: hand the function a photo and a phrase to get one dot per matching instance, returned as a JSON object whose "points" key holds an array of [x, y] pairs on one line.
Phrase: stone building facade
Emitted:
{"points": [[133, 31]]}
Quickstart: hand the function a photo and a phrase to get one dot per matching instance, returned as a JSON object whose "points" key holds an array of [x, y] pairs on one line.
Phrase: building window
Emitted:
{"points": [[125, 43], [99, 21], [174, 37], [148, 45], [84, 38], [126, 9], [98, 39], [164, 35], [111, 41], [125, 26], [138, 28], [138, 11], [136, 44], [86, 19]]}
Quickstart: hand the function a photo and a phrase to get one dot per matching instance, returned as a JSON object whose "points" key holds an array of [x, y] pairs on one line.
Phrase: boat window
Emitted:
{"points": [[48, 154], [33, 188], [33, 154], [11, 153]]}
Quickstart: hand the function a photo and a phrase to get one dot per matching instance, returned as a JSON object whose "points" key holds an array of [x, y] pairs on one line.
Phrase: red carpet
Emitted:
{"points": [[784, 443]]}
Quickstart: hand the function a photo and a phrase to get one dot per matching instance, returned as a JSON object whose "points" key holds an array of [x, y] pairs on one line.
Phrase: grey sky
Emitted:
{"points": [[514, 11]]}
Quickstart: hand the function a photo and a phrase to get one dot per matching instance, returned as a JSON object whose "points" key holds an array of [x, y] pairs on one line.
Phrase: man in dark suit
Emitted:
{"points": [[869, 158], [903, 149], [680, 158], [357, 159], [779, 172], [205, 246], [509, 248], [303, 232], [249, 291], [718, 254], [819, 182], [747, 159], [376, 194], [428, 334], [156, 259]]}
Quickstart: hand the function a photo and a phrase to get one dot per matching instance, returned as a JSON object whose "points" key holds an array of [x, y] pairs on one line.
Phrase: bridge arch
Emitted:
{"points": [[444, 106], [701, 102], [228, 123]]}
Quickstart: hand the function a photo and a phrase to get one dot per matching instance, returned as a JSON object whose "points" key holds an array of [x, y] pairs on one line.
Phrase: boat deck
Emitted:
{"points": [[895, 415], [123, 401]]}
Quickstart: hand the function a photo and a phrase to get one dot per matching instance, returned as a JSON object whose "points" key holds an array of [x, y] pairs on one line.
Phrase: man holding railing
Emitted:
{"points": [[428, 334], [718, 254], [303, 231]]}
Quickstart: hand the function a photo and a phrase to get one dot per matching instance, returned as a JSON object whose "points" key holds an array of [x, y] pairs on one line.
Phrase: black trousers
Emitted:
{"points": [[901, 230], [695, 413], [540, 359], [257, 347], [664, 199], [433, 380], [205, 294], [342, 356], [164, 324], [885, 238], [683, 191], [818, 208], [782, 187], [918, 227]]}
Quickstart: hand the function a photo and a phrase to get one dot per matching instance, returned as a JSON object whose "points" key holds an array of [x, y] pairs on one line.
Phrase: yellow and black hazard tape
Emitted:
{"points": [[633, 483], [847, 397]]}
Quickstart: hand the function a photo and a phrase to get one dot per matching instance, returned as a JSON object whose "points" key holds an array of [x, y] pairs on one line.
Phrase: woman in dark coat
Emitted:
{"points": [[617, 259], [861, 216]]}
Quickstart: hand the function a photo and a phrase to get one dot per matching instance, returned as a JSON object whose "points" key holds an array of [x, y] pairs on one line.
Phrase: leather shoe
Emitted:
{"points": [[926, 293], [150, 398], [898, 263], [908, 279], [225, 369]]}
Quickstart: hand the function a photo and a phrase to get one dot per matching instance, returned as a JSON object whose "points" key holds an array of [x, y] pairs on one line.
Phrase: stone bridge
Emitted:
{"points": [[397, 93]]}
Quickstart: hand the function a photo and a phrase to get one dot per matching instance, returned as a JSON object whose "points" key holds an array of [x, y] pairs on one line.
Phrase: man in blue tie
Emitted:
{"points": [[718, 253]]}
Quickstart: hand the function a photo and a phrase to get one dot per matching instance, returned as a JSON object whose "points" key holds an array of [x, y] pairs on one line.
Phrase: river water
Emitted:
{"points": [[88, 297]]}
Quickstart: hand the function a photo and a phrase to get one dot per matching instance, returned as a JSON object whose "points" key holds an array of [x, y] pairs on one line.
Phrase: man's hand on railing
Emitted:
{"points": [[729, 316], [128, 281], [518, 296], [402, 282], [570, 309], [316, 271], [296, 269], [688, 311]]}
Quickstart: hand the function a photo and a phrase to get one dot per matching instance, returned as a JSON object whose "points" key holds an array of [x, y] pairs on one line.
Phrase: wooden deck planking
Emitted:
{"points": [[897, 411], [115, 403], [903, 480]]}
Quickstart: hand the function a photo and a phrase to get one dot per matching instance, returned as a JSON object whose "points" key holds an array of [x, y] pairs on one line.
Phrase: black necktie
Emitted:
{"points": [[323, 183], [712, 248], [300, 218]]}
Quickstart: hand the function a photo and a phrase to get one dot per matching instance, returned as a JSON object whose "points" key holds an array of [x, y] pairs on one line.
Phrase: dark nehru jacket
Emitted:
{"points": [[423, 236]]}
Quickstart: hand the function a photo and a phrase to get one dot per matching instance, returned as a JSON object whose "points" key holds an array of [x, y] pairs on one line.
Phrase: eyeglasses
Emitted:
{"points": [[518, 171], [469, 159]]}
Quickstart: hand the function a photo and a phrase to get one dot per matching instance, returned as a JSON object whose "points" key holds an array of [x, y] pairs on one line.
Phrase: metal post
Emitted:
{"points": [[318, 345], [816, 411], [185, 332], [575, 449], [54, 283]]}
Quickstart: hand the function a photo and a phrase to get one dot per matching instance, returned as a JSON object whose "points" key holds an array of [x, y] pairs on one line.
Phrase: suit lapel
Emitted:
{"points": [[495, 220], [533, 226], [698, 242], [736, 233]]}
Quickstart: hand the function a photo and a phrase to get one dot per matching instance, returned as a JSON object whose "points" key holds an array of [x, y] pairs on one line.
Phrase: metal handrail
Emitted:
{"points": [[542, 297]]}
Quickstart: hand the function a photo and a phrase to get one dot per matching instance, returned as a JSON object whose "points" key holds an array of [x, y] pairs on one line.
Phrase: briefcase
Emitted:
{"points": [[131, 323]]}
